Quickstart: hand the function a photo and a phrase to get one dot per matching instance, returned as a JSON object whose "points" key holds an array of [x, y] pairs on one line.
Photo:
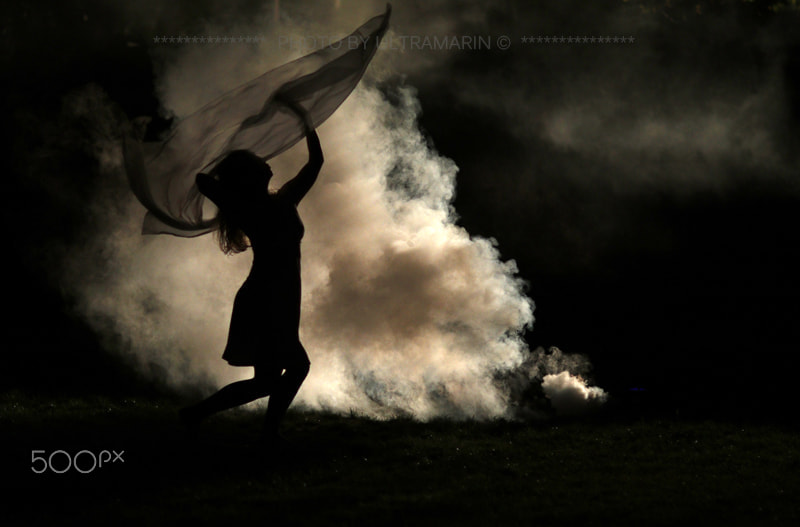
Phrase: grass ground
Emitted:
{"points": [[341, 470]]}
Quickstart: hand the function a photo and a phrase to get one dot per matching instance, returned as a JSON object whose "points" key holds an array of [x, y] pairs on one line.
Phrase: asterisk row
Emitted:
{"points": [[183, 39], [577, 40]]}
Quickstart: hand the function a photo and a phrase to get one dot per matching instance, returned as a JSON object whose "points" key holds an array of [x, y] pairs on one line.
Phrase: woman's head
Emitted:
{"points": [[242, 169], [244, 172]]}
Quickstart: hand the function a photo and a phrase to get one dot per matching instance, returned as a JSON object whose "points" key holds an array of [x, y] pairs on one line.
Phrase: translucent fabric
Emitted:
{"points": [[162, 174]]}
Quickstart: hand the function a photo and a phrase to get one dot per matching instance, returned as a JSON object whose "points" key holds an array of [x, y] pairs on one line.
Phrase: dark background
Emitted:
{"points": [[690, 293]]}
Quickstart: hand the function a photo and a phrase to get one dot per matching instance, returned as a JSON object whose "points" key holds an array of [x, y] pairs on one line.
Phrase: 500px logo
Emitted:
{"points": [[85, 461]]}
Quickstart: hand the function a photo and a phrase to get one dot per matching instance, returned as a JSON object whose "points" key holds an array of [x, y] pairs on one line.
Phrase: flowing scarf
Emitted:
{"points": [[162, 174]]}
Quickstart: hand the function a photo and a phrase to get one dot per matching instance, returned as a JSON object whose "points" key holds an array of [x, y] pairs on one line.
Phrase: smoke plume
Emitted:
{"points": [[623, 179], [404, 313]]}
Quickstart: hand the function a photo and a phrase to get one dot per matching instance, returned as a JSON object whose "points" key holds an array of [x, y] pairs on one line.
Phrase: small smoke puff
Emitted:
{"points": [[569, 394]]}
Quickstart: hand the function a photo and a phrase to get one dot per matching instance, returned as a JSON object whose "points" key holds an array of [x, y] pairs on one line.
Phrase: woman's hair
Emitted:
{"points": [[231, 238], [241, 170]]}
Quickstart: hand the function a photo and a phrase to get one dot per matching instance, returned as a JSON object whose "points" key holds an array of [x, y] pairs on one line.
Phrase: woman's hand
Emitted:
{"points": [[298, 186], [205, 183], [212, 189], [297, 109]]}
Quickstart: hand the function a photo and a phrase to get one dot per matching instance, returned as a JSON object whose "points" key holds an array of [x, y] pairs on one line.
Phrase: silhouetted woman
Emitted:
{"points": [[266, 311]]}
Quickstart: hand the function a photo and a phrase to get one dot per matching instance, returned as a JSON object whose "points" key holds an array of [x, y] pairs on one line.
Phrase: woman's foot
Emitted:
{"points": [[273, 440], [189, 417]]}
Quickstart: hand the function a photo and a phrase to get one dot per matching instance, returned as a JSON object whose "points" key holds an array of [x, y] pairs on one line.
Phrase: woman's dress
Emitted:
{"points": [[266, 311]]}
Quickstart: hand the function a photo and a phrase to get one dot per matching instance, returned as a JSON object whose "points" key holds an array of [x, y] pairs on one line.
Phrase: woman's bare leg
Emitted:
{"points": [[285, 390], [232, 395]]}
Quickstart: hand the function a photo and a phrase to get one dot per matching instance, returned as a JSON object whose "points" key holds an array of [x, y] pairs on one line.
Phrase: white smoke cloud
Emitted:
{"points": [[569, 394], [404, 312]]}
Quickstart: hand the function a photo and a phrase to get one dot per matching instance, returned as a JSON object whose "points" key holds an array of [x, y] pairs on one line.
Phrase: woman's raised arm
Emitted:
{"points": [[297, 187]]}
